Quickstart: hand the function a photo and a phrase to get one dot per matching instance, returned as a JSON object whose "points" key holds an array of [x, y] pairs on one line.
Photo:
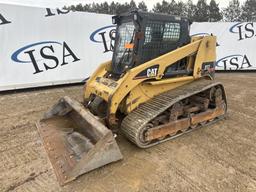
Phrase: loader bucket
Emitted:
{"points": [[75, 140]]}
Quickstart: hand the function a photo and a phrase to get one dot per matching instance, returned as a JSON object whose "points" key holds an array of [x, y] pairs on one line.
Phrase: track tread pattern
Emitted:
{"points": [[137, 119]]}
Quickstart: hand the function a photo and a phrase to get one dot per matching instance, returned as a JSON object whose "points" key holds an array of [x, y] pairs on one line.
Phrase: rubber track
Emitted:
{"points": [[137, 119]]}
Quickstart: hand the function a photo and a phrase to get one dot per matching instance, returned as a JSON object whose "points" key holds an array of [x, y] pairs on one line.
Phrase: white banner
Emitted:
{"points": [[236, 48], [49, 46], [40, 47]]}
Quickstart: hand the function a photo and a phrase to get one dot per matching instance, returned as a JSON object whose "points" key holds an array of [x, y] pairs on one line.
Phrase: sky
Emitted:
{"points": [[61, 3]]}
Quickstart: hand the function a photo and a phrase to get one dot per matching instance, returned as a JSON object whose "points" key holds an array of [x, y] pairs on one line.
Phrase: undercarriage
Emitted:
{"points": [[175, 113]]}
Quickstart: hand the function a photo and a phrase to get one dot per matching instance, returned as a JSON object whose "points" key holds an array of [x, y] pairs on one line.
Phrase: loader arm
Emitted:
{"points": [[202, 47]]}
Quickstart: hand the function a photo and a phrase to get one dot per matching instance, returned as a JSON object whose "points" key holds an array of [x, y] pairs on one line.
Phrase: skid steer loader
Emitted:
{"points": [[159, 85]]}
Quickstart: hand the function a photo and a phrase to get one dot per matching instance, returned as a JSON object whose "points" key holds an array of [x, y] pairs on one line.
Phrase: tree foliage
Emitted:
{"points": [[190, 10], [163, 7], [202, 11], [214, 11], [108, 8], [142, 6], [199, 12], [249, 11], [233, 12]]}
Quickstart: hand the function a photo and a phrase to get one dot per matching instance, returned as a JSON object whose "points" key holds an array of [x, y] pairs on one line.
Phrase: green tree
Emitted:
{"points": [[112, 8], [122, 8], [249, 11], [142, 6], [87, 7], [202, 11], [172, 8], [94, 7], [233, 12], [105, 8], [132, 5], [162, 7], [79, 7], [214, 12], [190, 10], [178, 9]]}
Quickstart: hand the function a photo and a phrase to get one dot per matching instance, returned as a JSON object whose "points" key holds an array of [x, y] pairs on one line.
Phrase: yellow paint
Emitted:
{"points": [[145, 91], [129, 92]]}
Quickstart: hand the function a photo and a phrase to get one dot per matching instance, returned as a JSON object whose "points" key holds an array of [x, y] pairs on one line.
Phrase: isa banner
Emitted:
{"points": [[236, 44], [40, 47]]}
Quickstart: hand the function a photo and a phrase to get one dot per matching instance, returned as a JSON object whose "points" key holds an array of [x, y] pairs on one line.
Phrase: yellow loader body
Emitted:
{"points": [[148, 101]]}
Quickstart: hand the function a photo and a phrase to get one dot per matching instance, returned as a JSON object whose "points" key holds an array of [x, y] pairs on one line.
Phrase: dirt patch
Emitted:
{"points": [[220, 157]]}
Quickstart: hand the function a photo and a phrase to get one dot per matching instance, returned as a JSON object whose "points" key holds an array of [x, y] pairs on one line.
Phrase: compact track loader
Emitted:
{"points": [[159, 85]]}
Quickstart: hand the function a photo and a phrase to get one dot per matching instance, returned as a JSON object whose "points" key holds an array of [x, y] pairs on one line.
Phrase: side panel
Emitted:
{"points": [[145, 91]]}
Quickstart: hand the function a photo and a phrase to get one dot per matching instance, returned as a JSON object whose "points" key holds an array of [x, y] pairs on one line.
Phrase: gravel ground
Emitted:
{"points": [[219, 157]]}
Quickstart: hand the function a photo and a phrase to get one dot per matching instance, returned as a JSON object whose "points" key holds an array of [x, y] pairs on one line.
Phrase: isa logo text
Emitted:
{"points": [[234, 62], [45, 55], [105, 36], [243, 30]]}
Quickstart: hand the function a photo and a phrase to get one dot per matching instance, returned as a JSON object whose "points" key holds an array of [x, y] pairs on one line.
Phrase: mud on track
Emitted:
{"points": [[220, 157]]}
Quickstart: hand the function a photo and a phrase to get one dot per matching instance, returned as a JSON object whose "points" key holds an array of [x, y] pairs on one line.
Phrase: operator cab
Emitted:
{"points": [[143, 36]]}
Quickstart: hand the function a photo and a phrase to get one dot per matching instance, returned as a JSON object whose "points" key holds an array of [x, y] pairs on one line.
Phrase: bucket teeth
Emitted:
{"points": [[75, 141]]}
